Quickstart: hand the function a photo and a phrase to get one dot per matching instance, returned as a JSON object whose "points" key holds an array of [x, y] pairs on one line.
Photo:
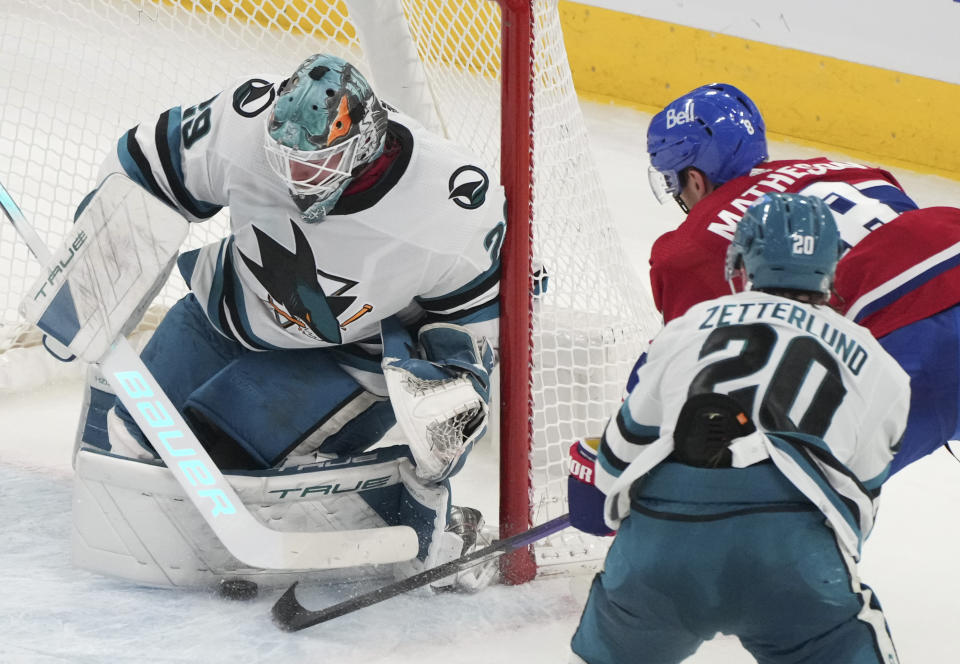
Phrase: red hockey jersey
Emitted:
{"points": [[890, 275]]}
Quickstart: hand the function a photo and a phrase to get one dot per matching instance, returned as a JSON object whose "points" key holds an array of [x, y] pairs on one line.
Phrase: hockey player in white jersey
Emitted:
{"points": [[742, 473], [357, 289]]}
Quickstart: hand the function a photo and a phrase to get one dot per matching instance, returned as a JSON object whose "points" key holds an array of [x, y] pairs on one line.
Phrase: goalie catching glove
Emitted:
{"points": [[440, 392]]}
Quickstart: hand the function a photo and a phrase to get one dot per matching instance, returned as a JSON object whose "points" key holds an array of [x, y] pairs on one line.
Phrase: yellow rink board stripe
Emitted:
{"points": [[899, 118], [631, 60]]}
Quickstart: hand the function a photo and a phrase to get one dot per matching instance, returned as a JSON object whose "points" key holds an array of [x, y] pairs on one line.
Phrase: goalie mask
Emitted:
{"points": [[325, 125]]}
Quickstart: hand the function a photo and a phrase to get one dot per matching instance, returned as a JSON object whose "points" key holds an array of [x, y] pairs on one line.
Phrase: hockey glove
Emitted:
{"points": [[584, 498], [439, 392]]}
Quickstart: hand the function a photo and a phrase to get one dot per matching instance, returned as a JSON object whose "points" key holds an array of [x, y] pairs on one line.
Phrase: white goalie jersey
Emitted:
{"points": [[422, 242], [834, 402]]}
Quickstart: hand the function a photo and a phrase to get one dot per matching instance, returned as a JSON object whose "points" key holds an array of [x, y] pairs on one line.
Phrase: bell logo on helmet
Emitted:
{"points": [[715, 128], [675, 117]]}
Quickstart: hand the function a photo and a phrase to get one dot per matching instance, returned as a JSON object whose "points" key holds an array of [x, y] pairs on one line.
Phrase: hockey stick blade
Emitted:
{"points": [[291, 616], [249, 540]]}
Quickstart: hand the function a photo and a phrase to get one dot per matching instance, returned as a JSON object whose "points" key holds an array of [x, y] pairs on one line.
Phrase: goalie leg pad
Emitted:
{"points": [[131, 519], [183, 353], [311, 404], [221, 387]]}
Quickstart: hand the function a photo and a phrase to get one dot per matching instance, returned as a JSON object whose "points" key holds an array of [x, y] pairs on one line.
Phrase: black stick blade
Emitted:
{"points": [[288, 613], [291, 616]]}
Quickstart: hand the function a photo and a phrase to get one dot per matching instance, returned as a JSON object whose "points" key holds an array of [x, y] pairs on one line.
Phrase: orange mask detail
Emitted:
{"points": [[341, 126]]}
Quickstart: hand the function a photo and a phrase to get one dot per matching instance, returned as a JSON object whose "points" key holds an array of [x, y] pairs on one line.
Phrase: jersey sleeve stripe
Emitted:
{"points": [[137, 166], [904, 283], [896, 199], [632, 432], [479, 286], [478, 314], [611, 463], [623, 440], [167, 139]]}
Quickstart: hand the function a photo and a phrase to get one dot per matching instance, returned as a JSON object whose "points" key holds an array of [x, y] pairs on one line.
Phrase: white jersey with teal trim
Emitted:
{"points": [[797, 369], [423, 241]]}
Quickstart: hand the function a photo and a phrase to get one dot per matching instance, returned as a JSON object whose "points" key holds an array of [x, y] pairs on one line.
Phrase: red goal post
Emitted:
{"points": [[516, 288]]}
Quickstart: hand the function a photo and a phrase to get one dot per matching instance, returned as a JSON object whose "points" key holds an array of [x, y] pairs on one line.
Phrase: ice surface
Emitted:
{"points": [[53, 613]]}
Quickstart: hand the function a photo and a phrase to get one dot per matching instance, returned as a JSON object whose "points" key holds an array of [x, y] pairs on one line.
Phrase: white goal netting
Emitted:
{"points": [[76, 74]]}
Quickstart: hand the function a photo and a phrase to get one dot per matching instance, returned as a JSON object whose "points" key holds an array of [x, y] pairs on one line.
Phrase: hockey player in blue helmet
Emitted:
{"points": [[896, 276], [714, 133], [325, 126]]}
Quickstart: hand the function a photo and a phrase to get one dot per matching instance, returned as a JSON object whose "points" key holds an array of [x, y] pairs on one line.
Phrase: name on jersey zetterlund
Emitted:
{"points": [[62, 264], [776, 180], [849, 350]]}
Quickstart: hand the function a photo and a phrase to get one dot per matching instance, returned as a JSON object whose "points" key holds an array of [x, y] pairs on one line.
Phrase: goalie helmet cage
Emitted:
{"points": [[76, 74]]}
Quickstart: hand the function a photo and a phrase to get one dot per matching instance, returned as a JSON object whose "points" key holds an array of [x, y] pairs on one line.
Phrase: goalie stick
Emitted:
{"points": [[246, 538], [291, 616]]}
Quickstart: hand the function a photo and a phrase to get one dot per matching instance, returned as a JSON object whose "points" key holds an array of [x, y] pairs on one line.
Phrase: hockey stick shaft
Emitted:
{"points": [[246, 538], [291, 616], [40, 251], [26, 232]]}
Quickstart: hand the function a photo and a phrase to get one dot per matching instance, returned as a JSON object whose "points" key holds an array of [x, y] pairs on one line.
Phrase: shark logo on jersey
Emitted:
{"points": [[295, 293], [468, 187], [253, 97]]}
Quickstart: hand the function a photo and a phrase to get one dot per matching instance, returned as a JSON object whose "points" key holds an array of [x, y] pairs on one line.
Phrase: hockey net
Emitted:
{"points": [[76, 74]]}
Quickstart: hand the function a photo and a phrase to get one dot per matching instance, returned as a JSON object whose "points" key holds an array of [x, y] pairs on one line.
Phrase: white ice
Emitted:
{"points": [[53, 613]]}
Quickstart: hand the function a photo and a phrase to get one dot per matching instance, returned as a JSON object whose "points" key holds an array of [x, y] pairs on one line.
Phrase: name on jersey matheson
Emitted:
{"points": [[850, 352], [776, 180]]}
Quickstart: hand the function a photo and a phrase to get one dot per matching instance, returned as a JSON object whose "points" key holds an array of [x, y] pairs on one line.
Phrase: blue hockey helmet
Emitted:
{"points": [[786, 241], [716, 129], [325, 124]]}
